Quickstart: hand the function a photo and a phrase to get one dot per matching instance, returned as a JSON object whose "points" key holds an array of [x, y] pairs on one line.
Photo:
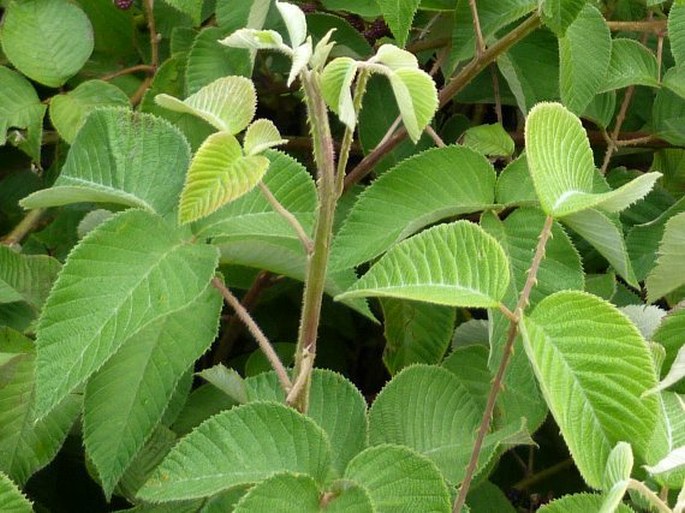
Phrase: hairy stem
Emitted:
{"points": [[611, 145], [127, 71], [656, 26], [359, 90], [480, 42], [531, 280], [149, 6], [289, 217]]}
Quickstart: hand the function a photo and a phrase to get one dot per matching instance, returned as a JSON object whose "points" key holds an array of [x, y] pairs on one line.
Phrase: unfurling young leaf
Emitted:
{"points": [[336, 81], [295, 22], [261, 135]]}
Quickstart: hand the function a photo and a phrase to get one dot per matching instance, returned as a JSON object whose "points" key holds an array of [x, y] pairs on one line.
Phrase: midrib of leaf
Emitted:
{"points": [[121, 193], [443, 213]]}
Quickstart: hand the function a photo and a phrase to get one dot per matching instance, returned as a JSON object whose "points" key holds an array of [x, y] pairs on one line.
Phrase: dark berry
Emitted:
{"points": [[123, 4]]}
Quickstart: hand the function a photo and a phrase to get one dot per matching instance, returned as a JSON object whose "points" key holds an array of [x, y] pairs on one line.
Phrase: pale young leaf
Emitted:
{"points": [[261, 135], [295, 22]]}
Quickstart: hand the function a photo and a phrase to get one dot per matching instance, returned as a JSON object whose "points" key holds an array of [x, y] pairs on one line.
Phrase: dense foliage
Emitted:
{"points": [[360, 256]]}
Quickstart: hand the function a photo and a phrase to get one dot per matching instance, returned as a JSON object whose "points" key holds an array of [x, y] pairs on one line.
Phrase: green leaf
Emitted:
{"points": [[395, 58], [336, 81], [669, 335], [676, 32], [631, 63], [428, 187], [668, 274], [561, 164], [131, 270], [617, 476], [11, 498], [514, 184], [601, 109], [295, 22], [226, 380], [399, 17], [221, 453], [121, 157], [569, 337], [27, 445], [674, 79], [579, 503], [261, 135], [125, 399], [20, 108], [455, 264], [26, 277], [415, 333], [490, 140], [218, 174], [417, 98], [47, 40], [398, 480], [296, 493], [228, 104], [192, 8], [69, 111], [668, 117], [559, 14], [488, 497], [253, 39], [584, 54]]}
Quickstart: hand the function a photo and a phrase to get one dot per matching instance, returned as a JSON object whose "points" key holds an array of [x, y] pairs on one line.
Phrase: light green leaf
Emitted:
{"points": [[561, 164], [47, 40], [300, 58], [69, 111], [676, 372], [27, 445], [296, 493], [668, 117], [631, 63], [322, 51], [674, 460], [617, 476], [226, 380], [601, 109], [253, 39], [222, 454], [124, 401], [228, 104], [579, 503], [434, 185], [559, 14], [604, 233], [674, 79], [455, 264], [295, 22], [469, 363], [668, 274], [11, 498], [398, 480], [261, 135], [488, 497], [192, 8], [395, 58], [584, 54], [490, 140], [336, 81], [415, 333], [514, 184], [568, 337], [121, 157], [669, 334], [399, 17], [218, 174], [676, 32], [417, 98], [103, 297], [26, 277], [20, 108]]}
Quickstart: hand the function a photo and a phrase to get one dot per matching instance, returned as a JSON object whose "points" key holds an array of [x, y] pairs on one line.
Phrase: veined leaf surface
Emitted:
{"points": [[399, 17], [669, 273], [26, 277], [11, 498], [632, 63]]}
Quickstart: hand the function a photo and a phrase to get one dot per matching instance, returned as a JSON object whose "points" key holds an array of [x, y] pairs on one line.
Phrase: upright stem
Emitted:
{"points": [[506, 357], [317, 263], [149, 6], [359, 91], [480, 42]]}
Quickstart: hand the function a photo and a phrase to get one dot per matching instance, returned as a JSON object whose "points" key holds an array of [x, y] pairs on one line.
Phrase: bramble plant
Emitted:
{"points": [[522, 247]]}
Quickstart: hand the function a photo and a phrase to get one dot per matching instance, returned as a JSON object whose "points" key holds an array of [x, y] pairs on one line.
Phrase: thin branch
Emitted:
{"points": [[149, 6], [659, 54], [497, 384], [611, 147], [140, 92], [25, 226], [507, 313], [648, 494], [498, 96], [480, 42], [348, 137], [127, 71], [656, 27], [257, 333], [534, 479], [434, 135], [303, 377], [306, 241]]}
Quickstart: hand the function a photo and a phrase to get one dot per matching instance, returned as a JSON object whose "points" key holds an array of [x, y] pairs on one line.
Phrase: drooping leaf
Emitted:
{"points": [[26, 277], [27, 445], [103, 297], [124, 401], [584, 54], [261, 135], [631, 63], [561, 164], [218, 174], [336, 81], [399, 480], [431, 186], [228, 103], [490, 140], [568, 337], [559, 14], [221, 453], [11, 498], [455, 264], [47, 40], [69, 111], [416, 96], [121, 157], [399, 17], [676, 32], [579, 503], [668, 273]]}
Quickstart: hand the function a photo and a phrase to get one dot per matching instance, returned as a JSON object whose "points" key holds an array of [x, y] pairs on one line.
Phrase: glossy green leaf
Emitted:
{"points": [[102, 297], [431, 186], [221, 453], [455, 264], [571, 338], [121, 157], [47, 40], [584, 54], [417, 97], [399, 17], [125, 399], [631, 63], [20, 108], [490, 140], [228, 104], [261, 135], [26, 277], [69, 111], [579, 503], [415, 333], [398, 480], [11, 498], [559, 14], [336, 81], [27, 445], [561, 164], [676, 32], [668, 274]]}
